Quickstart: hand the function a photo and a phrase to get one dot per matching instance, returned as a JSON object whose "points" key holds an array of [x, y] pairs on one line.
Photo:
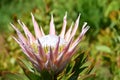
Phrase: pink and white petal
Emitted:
{"points": [[38, 33], [31, 37], [51, 60], [27, 32], [52, 26], [19, 34], [41, 52], [39, 61], [48, 62], [60, 68], [65, 49], [84, 30], [68, 33], [43, 34], [19, 44], [51, 54], [56, 50], [63, 53], [37, 67], [64, 26], [26, 52], [59, 58], [69, 54], [73, 48], [27, 49], [75, 26], [31, 54]]}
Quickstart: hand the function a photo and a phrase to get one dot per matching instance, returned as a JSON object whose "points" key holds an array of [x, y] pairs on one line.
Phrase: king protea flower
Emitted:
{"points": [[50, 52]]}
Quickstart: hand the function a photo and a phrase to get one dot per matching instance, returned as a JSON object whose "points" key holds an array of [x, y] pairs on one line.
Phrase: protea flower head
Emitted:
{"points": [[50, 52]]}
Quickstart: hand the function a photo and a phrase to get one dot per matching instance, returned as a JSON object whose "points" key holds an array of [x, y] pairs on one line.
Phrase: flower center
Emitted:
{"points": [[51, 41]]}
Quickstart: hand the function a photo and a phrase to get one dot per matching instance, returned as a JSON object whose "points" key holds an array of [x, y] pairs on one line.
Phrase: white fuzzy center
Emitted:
{"points": [[51, 40]]}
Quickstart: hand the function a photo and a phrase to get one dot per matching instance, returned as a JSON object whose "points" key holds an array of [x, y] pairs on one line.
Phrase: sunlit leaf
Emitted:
{"points": [[12, 76], [103, 48]]}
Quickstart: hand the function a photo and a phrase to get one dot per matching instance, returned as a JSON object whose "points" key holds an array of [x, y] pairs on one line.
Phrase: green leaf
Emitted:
{"points": [[45, 75], [77, 68], [32, 76], [25, 64], [29, 70], [113, 6], [12, 76], [103, 48], [70, 67]]}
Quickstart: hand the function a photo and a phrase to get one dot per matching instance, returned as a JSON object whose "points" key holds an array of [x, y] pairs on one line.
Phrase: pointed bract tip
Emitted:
{"points": [[88, 27], [66, 12], [78, 16], [52, 20], [51, 17], [12, 26], [32, 15], [85, 29], [72, 24], [84, 25], [65, 15], [19, 22], [14, 38]]}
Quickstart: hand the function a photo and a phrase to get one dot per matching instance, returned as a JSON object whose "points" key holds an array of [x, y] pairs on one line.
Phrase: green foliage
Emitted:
{"points": [[28, 69], [13, 76], [97, 10], [78, 67], [103, 48]]}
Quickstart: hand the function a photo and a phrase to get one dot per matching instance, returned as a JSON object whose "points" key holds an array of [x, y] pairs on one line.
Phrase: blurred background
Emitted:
{"points": [[102, 41]]}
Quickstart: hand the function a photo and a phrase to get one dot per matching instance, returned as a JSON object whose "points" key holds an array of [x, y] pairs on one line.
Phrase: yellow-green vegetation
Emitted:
{"points": [[102, 42]]}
